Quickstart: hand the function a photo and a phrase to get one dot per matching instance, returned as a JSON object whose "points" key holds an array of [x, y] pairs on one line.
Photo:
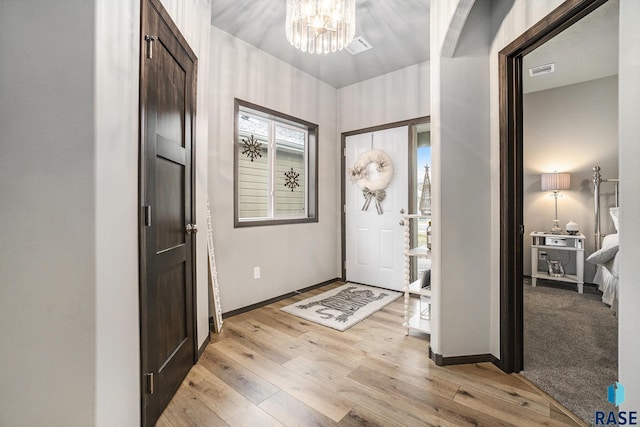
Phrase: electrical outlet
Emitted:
{"points": [[256, 272], [542, 256]]}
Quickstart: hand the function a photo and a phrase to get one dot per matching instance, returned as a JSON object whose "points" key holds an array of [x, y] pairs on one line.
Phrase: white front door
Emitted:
{"points": [[375, 242]]}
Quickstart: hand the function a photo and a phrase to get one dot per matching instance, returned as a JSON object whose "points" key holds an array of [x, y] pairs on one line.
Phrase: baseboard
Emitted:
{"points": [[275, 299], [204, 345], [440, 360]]}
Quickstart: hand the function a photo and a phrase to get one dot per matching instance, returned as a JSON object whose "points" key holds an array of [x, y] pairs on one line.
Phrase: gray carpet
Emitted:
{"points": [[570, 346]]}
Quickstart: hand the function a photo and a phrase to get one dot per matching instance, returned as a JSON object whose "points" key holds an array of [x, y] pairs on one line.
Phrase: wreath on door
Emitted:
{"points": [[373, 187]]}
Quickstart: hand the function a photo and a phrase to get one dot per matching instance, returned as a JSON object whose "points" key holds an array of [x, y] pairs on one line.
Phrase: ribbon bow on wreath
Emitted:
{"points": [[372, 172], [377, 195]]}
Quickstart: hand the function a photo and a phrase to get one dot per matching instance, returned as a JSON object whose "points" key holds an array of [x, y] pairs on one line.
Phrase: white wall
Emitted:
{"points": [[290, 256], [570, 129], [393, 97], [47, 237], [117, 390], [460, 186], [69, 166], [629, 105]]}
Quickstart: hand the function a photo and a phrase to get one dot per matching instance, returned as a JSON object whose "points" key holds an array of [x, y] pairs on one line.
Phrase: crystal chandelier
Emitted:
{"points": [[320, 26]]}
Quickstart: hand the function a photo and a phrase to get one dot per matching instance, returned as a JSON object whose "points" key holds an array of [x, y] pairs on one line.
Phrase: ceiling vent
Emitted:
{"points": [[542, 69], [358, 45]]}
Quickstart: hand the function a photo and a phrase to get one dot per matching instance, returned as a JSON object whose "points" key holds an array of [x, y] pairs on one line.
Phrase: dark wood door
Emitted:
{"points": [[168, 343]]}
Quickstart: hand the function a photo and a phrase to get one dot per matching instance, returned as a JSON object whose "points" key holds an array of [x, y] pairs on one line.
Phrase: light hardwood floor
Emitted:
{"points": [[268, 368]]}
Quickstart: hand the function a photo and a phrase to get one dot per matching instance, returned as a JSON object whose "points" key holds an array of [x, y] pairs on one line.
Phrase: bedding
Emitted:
{"points": [[606, 276]]}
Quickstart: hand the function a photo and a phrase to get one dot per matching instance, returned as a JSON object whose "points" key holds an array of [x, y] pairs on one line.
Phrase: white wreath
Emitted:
{"points": [[384, 167], [372, 189]]}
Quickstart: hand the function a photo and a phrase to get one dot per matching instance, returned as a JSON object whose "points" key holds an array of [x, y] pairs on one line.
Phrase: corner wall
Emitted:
{"points": [[629, 104], [392, 97], [290, 256], [461, 185], [47, 177]]}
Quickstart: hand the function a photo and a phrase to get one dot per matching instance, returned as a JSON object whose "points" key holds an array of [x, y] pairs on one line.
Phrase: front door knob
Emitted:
{"points": [[191, 228]]}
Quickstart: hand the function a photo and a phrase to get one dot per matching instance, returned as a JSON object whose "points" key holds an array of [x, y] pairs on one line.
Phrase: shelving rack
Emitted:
{"points": [[418, 320]]}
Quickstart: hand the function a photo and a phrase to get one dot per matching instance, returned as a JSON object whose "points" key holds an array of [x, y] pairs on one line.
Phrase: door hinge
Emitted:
{"points": [[150, 39], [149, 382], [344, 152], [147, 216], [344, 208], [521, 229]]}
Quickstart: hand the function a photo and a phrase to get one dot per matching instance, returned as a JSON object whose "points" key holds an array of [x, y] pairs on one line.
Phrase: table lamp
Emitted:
{"points": [[555, 182]]}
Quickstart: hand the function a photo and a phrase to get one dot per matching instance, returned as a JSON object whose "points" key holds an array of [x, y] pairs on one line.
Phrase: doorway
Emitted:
{"points": [[167, 241], [372, 230], [511, 173]]}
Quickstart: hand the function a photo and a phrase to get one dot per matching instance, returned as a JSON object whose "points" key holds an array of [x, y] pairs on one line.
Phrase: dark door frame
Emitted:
{"points": [[511, 170]]}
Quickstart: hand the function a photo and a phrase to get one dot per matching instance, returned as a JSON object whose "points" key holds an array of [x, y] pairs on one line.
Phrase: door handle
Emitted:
{"points": [[191, 228], [401, 210], [402, 222]]}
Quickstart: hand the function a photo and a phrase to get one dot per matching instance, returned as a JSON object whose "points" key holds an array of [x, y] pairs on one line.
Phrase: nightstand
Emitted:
{"points": [[559, 242]]}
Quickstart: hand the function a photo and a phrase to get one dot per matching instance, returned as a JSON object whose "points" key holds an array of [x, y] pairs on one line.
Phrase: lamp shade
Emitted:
{"points": [[556, 181]]}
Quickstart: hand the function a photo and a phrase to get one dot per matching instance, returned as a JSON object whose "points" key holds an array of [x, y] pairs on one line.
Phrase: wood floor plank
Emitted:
{"points": [[304, 345], [500, 409], [425, 381], [227, 403], [291, 412], [250, 385], [327, 403], [186, 409], [436, 406], [268, 367], [505, 392], [334, 346], [248, 338], [391, 408], [361, 417], [266, 316]]}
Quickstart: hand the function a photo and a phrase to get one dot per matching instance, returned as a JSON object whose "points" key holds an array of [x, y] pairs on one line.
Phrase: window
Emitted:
{"points": [[275, 167]]}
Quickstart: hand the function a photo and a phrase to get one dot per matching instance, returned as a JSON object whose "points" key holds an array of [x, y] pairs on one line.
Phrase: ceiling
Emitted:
{"points": [[398, 30], [587, 50]]}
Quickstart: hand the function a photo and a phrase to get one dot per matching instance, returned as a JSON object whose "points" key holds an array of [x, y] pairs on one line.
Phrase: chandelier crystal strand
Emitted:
{"points": [[320, 26]]}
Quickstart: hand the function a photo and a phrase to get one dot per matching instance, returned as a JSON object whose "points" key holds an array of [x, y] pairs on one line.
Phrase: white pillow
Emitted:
{"points": [[615, 216], [603, 255]]}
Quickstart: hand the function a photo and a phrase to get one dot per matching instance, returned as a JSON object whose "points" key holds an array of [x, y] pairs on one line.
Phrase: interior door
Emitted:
{"points": [[167, 88], [375, 242]]}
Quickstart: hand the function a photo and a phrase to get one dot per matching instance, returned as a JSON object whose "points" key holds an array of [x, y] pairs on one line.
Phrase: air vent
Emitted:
{"points": [[358, 45], [542, 69]]}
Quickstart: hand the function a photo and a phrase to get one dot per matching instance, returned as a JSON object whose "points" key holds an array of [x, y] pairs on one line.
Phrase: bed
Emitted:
{"points": [[607, 247]]}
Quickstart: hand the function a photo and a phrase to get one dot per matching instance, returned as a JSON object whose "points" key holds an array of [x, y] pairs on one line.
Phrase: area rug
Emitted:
{"points": [[342, 307], [570, 346]]}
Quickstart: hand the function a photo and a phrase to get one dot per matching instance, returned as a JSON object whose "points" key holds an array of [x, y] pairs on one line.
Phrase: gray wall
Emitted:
{"points": [[290, 256], [68, 181], [570, 129], [461, 177], [393, 97], [47, 250], [629, 103]]}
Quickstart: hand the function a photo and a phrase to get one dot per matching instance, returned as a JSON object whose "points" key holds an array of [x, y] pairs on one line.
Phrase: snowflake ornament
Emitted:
{"points": [[291, 179], [251, 148]]}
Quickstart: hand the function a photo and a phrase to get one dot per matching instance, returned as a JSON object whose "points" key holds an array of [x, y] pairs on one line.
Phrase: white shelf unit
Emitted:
{"points": [[416, 321]]}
